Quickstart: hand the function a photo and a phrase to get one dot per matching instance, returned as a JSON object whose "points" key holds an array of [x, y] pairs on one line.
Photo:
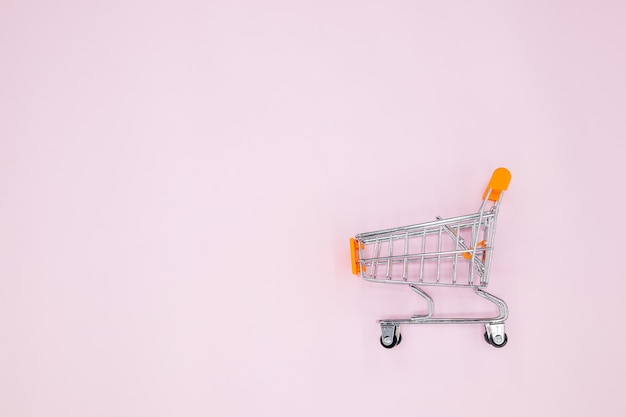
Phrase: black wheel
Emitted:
{"points": [[394, 342], [506, 339], [492, 343], [399, 339]]}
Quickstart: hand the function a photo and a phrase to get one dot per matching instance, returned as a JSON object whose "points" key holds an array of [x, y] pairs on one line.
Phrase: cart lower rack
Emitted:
{"points": [[454, 252]]}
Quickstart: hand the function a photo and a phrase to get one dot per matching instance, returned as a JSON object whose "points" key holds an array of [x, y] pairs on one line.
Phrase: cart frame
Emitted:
{"points": [[374, 264]]}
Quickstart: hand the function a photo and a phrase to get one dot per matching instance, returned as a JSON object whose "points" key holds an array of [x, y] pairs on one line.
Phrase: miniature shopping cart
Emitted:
{"points": [[454, 252]]}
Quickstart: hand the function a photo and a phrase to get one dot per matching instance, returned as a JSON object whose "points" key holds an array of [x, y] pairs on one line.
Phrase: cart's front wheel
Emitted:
{"points": [[388, 342]]}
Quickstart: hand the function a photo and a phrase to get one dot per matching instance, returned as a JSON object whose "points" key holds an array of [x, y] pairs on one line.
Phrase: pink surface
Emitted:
{"points": [[179, 180]]}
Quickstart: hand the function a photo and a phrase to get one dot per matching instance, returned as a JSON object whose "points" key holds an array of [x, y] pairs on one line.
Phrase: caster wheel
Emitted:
{"points": [[399, 339], [395, 341], [506, 339], [492, 343]]}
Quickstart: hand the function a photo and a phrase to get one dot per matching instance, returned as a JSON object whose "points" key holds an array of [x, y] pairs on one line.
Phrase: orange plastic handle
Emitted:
{"points": [[500, 180], [354, 256]]}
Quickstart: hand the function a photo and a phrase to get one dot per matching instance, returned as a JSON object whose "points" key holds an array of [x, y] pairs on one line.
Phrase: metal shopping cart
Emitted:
{"points": [[454, 252]]}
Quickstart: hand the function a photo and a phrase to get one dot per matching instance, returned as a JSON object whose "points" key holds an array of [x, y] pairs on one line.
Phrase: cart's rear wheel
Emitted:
{"points": [[492, 343], [394, 341], [506, 339]]}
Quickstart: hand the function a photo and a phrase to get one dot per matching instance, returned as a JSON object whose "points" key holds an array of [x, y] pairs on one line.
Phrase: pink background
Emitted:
{"points": [[179, 180]]}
